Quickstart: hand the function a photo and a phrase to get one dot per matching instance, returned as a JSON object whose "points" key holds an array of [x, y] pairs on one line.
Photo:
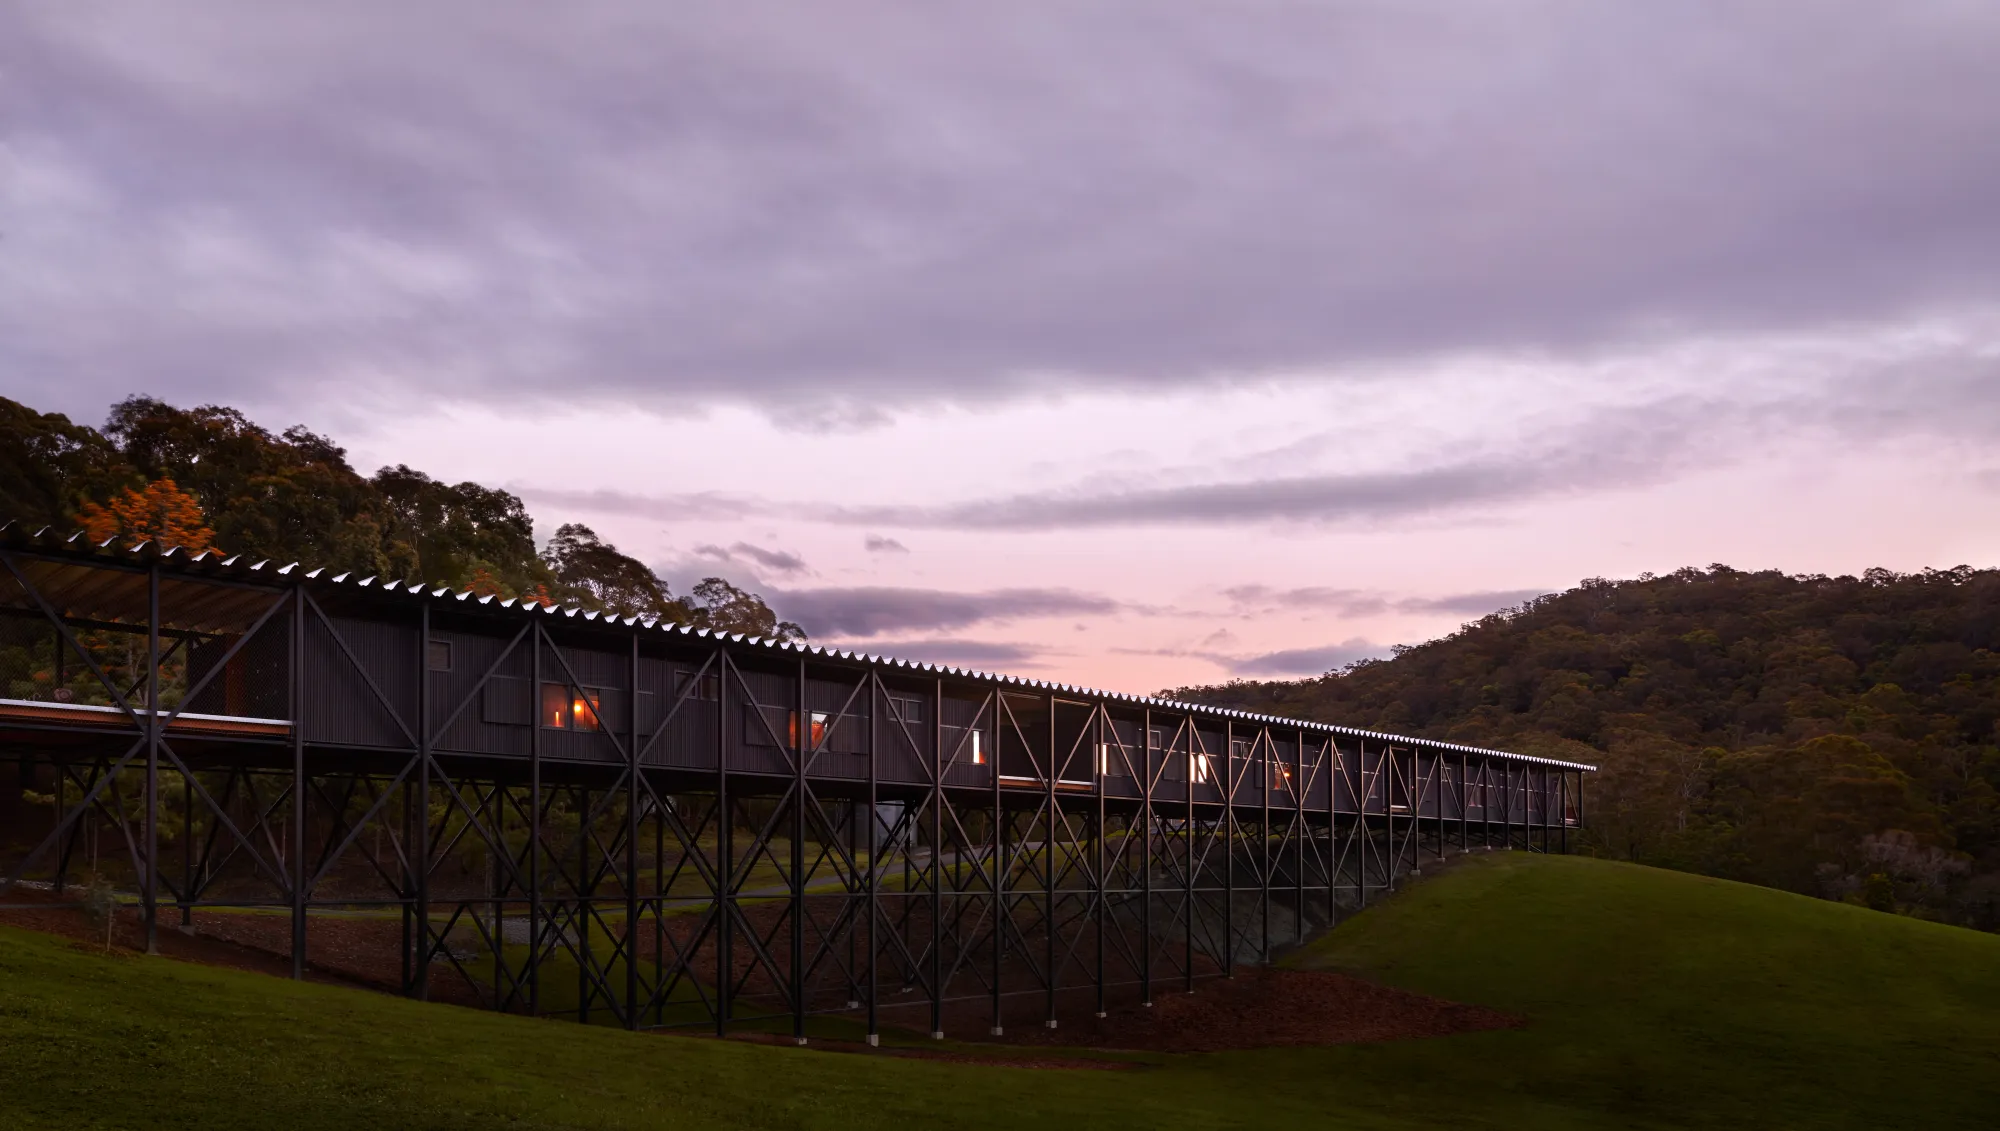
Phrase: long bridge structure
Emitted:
{"points": [[552, 811]]}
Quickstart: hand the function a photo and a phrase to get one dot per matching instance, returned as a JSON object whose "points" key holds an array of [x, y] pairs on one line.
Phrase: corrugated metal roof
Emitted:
{"points": [[214, 564]]}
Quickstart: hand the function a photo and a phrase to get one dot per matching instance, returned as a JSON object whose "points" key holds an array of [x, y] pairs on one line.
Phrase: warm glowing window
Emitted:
{"points": [[583, 710], [819, 725], [1200, 770], [978, 749], [570, 708]]}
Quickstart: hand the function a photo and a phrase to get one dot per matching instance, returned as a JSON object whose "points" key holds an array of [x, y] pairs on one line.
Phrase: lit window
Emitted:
{"points": [[978, 749], [1103, 759], [1199, 769], [568, 708], [819, 725]]}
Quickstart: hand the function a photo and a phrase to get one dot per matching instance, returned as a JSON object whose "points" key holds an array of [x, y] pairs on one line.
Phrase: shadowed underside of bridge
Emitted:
{"points": [[546, 811]]}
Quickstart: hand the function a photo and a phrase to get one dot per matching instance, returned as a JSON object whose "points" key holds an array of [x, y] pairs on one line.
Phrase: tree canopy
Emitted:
{"points": [[209, 477], [1828, 735]]}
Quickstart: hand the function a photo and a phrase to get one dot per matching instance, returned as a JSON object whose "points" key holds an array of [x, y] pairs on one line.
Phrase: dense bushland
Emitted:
{"points": [[1828, 735], [209, 477]]}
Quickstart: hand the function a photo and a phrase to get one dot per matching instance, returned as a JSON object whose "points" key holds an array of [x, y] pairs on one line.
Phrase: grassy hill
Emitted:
{"points": [[1655, 999]]}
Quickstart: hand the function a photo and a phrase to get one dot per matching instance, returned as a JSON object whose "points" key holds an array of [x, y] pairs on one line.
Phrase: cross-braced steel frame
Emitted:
{"points": [[1045, 850]]}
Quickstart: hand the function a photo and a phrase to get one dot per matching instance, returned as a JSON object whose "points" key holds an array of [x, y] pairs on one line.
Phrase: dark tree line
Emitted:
{"points": [[292, 496], [1828, 735]]}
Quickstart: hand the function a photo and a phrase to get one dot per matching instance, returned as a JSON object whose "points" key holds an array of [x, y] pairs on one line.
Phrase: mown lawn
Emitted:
{"points": [[1655, 1000]]}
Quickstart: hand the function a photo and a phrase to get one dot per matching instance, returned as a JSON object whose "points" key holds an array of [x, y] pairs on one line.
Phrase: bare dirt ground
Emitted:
{"points": [[1258, 1008]]}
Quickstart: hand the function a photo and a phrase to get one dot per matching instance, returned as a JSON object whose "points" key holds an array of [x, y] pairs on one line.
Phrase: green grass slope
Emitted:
{"points": [[1655, 1000], [1659, 998]]}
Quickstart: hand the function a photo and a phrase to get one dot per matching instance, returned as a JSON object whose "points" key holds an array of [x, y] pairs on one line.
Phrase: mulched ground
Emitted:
{"points": [[997, 1060], [128, 936], [1262, 1008], [349, 952]]}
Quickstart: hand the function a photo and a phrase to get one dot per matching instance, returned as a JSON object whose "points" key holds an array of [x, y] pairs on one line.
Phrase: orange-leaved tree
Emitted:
{"points": [[160, 511]]}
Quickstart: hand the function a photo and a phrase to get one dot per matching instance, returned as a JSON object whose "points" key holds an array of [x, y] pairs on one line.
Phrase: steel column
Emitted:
{"points": [[1146, 859], [149, 890], [937, 850], [1053, 770], [801, 742], [725, 862]]}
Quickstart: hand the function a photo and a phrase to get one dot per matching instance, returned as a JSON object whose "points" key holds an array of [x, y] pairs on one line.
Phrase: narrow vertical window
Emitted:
{"points": [[583, 709], [978, 751], [555, 706]]}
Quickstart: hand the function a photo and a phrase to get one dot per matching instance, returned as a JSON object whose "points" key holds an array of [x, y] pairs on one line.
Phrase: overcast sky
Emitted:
{"points": [[1130, 343]]}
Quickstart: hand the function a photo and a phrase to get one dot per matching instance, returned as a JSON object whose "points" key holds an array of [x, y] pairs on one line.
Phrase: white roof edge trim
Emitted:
{"points": [[139, 548]]}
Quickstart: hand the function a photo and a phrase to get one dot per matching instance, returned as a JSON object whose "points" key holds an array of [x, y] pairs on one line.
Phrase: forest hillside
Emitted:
{"points": [[1834, 736], [209, 477]]}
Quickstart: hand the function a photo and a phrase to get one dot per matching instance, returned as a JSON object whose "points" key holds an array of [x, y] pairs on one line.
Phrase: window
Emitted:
{"points": [[709, 691], [777, 721], [906, 708], [1155, 738], [1200, 770], [1109, 762], [819, 725], [437, 655], [569, 708], [978, 745], [1281, 774]]}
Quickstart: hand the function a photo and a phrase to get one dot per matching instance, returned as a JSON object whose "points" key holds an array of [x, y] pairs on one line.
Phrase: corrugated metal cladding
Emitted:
{"points": [[594, 690], [592, 703], [360, 685]]}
